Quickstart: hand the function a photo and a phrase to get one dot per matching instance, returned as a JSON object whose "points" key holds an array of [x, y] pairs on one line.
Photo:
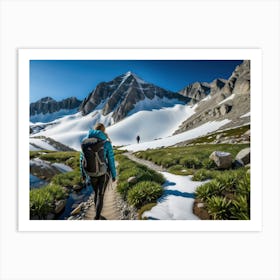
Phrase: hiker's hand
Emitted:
{"points": [[114, 179], [83, 178]]}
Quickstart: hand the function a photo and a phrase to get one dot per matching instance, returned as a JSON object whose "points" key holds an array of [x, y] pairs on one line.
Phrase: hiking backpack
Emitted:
{"points": [[94, 162]]}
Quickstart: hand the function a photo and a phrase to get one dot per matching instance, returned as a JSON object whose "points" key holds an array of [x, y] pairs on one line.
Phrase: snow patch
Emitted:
{"points": [[246, 115], [227, 99], [34, 143], [154, 104], [44, 118], [177, 200], [172, 140]]}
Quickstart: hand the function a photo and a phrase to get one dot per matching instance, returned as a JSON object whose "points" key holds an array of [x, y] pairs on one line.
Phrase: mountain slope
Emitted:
{"points": [[47, 109], [226, 100], [121, 96], [149, 124]]}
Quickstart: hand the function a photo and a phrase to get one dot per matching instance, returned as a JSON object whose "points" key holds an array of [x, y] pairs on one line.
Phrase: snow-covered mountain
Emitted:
{"points": [[149, 124], [227, 99], [128, 106], [127, 94], [47, 109]]}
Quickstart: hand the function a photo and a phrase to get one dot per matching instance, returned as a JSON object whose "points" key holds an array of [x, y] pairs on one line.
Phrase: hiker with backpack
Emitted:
{"points": [[97, 162]]}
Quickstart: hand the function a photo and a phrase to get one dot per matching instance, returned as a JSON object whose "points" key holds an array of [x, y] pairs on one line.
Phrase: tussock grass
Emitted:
{"points": [[42, 201], [146, 187]]}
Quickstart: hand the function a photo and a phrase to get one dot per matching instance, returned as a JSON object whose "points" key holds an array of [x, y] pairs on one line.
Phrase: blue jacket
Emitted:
{"points": [[108, 152]]}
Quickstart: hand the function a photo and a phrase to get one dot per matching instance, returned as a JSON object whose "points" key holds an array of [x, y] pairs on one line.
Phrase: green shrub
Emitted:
{"points": [[67, 179], [123, 188], [219, 208], [42, 200], [243, 185], [208, 190], [240, 209], [143, 193], [202, 175], [209, 164], [40, 203], [145, 208], [190, 162], [180, 170]]}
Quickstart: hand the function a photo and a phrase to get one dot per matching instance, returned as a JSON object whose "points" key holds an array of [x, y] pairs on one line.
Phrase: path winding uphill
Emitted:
{"points": [[178, 197], [110, 210]]}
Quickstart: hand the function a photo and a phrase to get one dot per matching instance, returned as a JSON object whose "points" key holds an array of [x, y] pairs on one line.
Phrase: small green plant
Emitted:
{"points": [[202, 175], [67, 179], [143, 193], [240, 209], [123, 188], [205, 191], [42, 200], [191, 162], [219, 207], [208, 164]]}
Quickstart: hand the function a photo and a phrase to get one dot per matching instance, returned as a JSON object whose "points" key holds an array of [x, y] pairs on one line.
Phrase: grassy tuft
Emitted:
{"points": [[143, 193]]}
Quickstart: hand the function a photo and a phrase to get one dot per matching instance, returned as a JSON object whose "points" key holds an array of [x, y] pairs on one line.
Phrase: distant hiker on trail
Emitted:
{"points": [[97, 162], [138, 139]]}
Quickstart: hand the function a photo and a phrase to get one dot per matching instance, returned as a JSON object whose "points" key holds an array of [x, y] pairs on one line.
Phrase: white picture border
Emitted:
{"points": [[24, 57]]}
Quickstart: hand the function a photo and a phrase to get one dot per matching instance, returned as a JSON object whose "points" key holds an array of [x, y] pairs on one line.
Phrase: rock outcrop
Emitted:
{"points": [[226, 99], [121, 95], [49, 105]]}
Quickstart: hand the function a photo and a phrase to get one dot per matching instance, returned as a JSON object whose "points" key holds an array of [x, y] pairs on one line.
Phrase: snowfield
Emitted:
{"points": [[149, 124], [153, 120], [41, 143], [177, 200], [172, 140]]}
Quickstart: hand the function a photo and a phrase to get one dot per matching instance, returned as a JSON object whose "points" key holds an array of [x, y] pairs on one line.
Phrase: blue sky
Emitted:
{"points": [[60, 79]]}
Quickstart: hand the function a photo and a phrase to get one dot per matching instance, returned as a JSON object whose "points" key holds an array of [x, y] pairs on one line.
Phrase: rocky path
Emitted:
{"points": [[110, 210], [148, 163]]}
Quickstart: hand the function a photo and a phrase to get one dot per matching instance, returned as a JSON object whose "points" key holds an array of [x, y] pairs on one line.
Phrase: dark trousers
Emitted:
{"points": [[99, 185]]}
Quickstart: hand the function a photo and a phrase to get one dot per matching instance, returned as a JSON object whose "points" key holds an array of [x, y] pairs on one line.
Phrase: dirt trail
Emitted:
{"points": [[110, 210], [148, 163]]}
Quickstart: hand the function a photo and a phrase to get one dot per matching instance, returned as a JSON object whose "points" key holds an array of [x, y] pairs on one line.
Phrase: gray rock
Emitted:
{"points": [[238, 163], [77, 187], [223, 160], [244, 156], [132, 180], [225, 108], [59, 206]]}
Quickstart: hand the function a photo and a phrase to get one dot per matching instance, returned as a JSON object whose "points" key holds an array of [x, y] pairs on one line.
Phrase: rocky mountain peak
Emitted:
{"points": [[228, 99], [121, 95], [49, 105]]}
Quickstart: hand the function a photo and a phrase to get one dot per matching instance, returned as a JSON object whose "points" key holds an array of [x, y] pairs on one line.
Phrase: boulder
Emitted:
{"points": [[223, 160], [244, 156], [59, 206], [132, 180]]}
